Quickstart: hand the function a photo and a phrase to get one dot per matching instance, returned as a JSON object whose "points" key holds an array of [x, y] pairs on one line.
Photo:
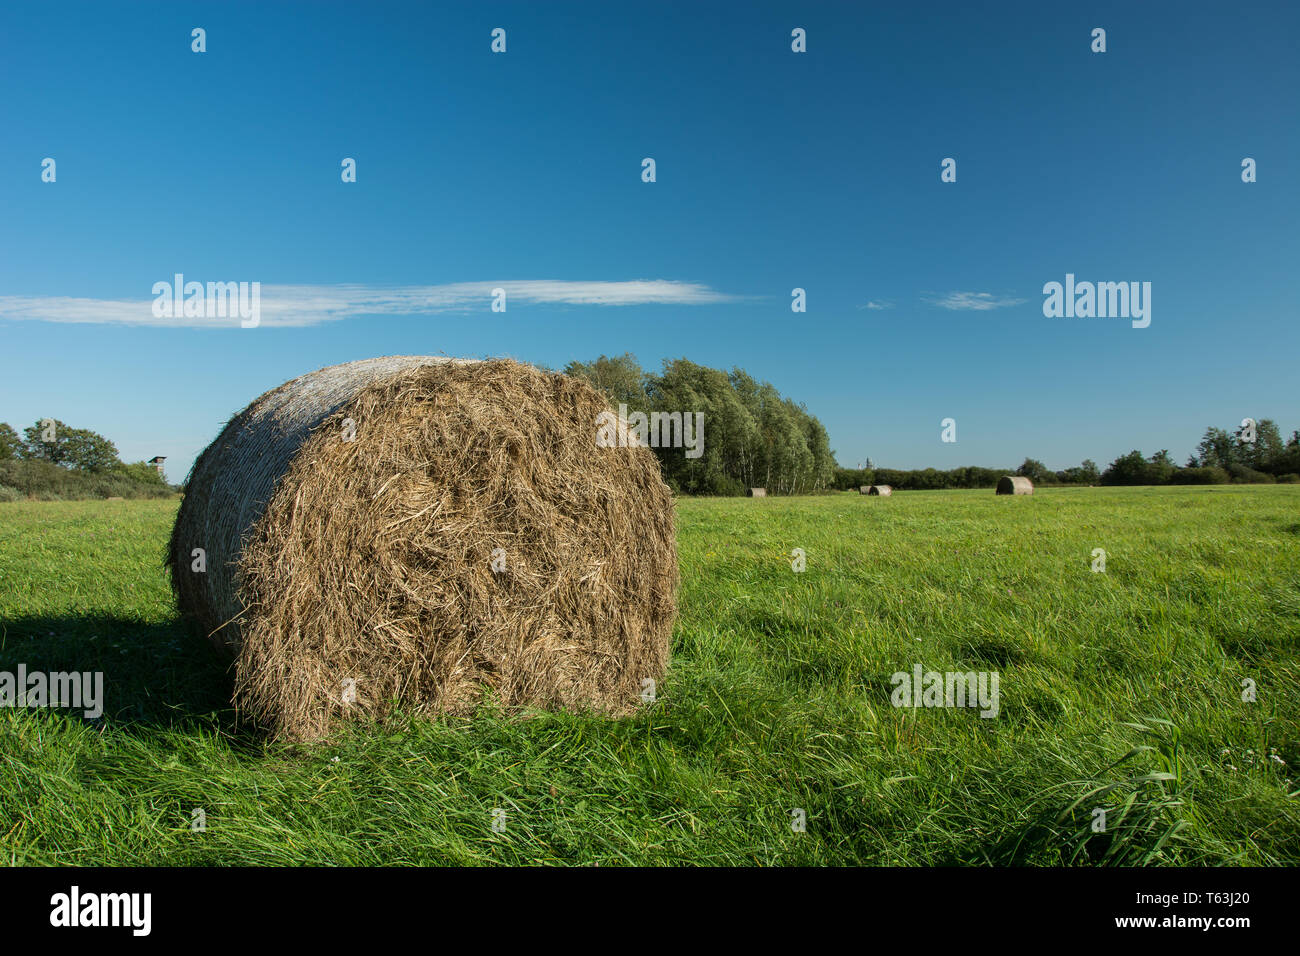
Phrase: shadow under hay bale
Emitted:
{"points": [[1015, 485], [420, 531]]}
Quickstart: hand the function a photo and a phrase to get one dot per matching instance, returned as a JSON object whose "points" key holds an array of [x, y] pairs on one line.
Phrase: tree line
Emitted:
{"points": [[1251, 455], [756, 438], [753, 436], [970, 476], [52, 461]]}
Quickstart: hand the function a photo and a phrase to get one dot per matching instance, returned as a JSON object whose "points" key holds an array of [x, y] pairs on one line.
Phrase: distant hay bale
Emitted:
{"points": [[883, 491], [1015, 485], [427, 532], [758, 492]]}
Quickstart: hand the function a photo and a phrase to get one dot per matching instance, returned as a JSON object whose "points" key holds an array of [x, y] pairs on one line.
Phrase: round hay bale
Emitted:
{"points": [[427, 532], [864, 489], [1015, 485], [758, 492], [883, 491]]}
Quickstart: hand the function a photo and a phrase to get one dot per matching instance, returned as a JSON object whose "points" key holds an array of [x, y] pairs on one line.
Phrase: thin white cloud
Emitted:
{"points": [[972, 301], [877, 306], [303, 305]]}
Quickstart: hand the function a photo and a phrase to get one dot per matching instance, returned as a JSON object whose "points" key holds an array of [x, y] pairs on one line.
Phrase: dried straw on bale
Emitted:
{"points": [[375, 560], [758, 492], [883, 490], [1015, 485], [864, 489]]}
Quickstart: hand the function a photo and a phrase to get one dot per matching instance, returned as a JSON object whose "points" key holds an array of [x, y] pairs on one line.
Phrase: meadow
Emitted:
{"points": [[1120, 690]]}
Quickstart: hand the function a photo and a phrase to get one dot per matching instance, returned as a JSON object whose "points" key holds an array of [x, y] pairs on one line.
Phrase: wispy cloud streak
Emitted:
{"points": [[303, 305], [972, 301]]}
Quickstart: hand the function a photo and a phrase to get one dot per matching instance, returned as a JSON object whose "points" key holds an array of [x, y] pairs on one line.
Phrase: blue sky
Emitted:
{"points": [[775, 170]]}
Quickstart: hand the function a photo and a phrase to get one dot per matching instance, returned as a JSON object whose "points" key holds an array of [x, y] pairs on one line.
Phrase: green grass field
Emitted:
{"points": [[1120, 690]]}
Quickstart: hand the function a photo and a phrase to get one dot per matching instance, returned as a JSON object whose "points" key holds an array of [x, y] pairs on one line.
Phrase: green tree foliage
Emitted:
{"points": [[1130, 469], [1036, 472], [1220, 457], [10, 443], [1268, 454], [971, 476], [1160, 469], [1084, 474], [140, 471], [619, 379], [925, 479], [77, 448], [44, 443], [34, 478], [1134, 469], [88, 451], [1265, 449], [1218, 449], [851, 479], [1288, 462], [1200, 476], [752, 436], [1246, 475]]}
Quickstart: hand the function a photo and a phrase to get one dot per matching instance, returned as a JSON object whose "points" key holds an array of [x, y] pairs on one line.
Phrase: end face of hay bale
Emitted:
{"points": [[438, 533], [758, 492], [1015, 485], [864, 489], [883, 491]]}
